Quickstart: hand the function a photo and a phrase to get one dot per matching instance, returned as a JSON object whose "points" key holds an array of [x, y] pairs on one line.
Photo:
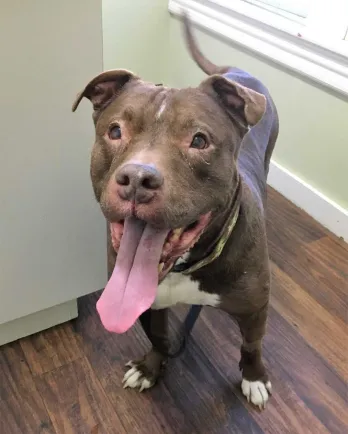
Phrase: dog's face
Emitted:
{"points": [[167, 156]]}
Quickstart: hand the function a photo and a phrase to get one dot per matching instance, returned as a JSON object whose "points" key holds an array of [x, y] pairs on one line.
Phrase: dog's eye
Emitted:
{"points": [[115, 132], [199, 141]]}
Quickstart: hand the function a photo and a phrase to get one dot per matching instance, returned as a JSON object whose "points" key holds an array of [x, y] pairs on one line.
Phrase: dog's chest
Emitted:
{"points": [[178, 288]]}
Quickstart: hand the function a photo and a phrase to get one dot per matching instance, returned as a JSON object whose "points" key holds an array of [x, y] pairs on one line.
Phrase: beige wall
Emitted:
{"points": [[52, 234], [313, 141]]}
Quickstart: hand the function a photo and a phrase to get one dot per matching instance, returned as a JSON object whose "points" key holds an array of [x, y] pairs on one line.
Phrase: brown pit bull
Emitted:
{"points": [[180, 175]]}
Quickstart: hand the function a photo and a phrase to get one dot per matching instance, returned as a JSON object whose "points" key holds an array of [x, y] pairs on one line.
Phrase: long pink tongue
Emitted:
{"points": [[133, 285]]}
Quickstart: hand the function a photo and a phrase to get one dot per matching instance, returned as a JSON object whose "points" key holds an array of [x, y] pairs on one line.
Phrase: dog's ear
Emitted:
{"points": [[103, 88], [241, 103]]}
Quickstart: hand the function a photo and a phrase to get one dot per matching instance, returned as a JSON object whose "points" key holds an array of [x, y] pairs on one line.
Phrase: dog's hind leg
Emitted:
{"points": [[143, 374], [255, 384]]}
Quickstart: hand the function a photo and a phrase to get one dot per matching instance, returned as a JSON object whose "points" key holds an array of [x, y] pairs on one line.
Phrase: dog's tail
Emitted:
{"points": [[206, 65]]}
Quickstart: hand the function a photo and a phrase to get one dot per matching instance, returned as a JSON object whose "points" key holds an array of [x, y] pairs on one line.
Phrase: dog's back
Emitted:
{"points": [[258, 143]]}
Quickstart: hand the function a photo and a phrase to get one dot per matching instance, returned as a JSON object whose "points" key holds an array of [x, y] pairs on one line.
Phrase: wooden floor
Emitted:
{"points": [[68, 379]]}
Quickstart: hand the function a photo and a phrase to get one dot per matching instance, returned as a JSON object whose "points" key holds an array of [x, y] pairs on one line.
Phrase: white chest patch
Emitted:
{"points": [[178, 288]]}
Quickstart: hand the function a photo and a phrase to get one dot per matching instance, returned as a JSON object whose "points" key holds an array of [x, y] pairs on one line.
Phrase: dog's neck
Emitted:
{"points": [[210, 246]]}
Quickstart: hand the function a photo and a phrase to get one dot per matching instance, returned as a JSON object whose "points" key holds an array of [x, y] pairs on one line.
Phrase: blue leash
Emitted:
{"points": [[187, 327]]}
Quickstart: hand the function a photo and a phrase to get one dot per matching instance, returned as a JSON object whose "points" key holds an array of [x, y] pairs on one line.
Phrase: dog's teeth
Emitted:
{"points": [[178, 231], [160, 267], [176, 234]]}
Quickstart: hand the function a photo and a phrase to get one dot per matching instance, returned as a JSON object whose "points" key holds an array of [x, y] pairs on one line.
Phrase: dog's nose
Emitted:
{"points": [[138, 182]]}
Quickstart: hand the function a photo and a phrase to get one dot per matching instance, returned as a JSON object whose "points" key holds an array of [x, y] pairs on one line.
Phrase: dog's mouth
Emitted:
{"points": [[145, 255], [176, 244]]}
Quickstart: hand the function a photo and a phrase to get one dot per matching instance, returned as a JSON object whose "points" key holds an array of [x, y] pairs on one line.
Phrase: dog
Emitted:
{"points": [[180, 176]]}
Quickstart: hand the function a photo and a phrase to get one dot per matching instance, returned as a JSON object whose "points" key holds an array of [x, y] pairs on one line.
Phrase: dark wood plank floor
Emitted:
{"points": [[68, 379]]}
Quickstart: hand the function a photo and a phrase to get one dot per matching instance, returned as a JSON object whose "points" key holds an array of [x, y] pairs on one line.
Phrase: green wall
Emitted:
{"points": [[140, 35], [135, 36], [313, 140]]}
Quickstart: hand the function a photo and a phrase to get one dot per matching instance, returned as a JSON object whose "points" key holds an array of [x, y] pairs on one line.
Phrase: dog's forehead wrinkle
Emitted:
{"points": [[203, 159], [185, 116]]}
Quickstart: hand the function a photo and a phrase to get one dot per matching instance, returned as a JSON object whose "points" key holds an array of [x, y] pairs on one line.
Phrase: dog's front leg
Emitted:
{"points": [[144, 373], [255, 384]]}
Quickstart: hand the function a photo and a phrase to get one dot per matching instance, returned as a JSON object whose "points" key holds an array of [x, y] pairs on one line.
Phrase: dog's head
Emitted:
{"points": [[167, 157]]}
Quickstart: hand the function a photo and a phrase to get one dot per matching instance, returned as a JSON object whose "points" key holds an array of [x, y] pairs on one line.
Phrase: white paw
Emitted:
{"points": [[136, 379], [257, 392]]}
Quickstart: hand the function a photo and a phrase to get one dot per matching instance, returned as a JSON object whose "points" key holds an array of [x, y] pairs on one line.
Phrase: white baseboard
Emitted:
{"points": [[321, 208], [38, 321]]}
